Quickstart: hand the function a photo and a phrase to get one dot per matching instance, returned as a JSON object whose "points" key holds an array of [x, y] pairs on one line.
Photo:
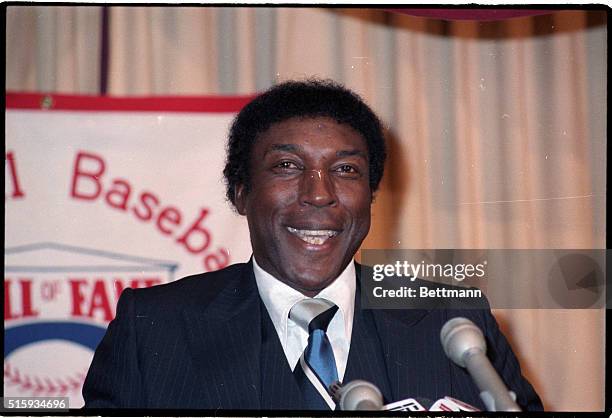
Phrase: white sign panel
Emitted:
{"points": [[97, 201]]}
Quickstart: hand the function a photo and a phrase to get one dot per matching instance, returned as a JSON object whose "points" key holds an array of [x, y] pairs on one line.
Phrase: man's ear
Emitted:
{"points": [[240, 199]]}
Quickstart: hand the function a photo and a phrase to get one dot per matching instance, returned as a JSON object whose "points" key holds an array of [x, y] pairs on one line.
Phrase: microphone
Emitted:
{"points": [[445, 404], [409, 404], [357, 395], [464, 344], [448, 404]]}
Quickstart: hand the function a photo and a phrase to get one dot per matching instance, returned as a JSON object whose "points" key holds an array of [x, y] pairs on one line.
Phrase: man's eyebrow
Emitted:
{"points": [[349, 153], [283, 147], [297, 148]]}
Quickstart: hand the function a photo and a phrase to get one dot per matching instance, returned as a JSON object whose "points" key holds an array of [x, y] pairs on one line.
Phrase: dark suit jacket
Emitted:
{"points": [[199, 343]]}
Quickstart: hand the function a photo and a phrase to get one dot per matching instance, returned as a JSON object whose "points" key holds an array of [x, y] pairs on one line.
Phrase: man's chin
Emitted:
{"points": [[313, 281]]}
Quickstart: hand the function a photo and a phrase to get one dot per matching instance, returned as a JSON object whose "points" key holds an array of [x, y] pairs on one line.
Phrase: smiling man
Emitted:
{"points": [[304, 161], [310, 191]]}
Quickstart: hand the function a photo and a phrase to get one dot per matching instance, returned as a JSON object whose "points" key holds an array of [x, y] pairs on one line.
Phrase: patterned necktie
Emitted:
{"points": [[316, 370]]}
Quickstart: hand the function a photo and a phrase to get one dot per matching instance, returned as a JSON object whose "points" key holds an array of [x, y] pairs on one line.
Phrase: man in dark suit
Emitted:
{"points": [[304, 160]]}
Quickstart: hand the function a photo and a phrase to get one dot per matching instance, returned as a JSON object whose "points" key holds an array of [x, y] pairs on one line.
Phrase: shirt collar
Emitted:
{"points": [[279, 297]]}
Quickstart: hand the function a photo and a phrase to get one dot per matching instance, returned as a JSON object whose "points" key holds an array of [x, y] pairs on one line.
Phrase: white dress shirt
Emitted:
{"points": [[279, 298]]}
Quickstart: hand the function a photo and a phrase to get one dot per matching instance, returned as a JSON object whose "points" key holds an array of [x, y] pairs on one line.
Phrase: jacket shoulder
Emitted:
{"points": [[198, 288]]}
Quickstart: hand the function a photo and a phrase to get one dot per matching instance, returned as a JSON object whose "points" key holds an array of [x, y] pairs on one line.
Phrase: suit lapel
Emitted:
{"points": [[413, 368], [366, 360], [416, 364], [397, 338], [279, 389], [225, 339]]}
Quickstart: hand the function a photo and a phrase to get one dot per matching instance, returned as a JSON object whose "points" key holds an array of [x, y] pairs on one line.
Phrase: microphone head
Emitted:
{"points": [[359, 395], [461, 337]]}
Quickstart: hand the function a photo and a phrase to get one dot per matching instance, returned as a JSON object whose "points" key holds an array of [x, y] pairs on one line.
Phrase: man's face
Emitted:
{"points": [[308, 207]]}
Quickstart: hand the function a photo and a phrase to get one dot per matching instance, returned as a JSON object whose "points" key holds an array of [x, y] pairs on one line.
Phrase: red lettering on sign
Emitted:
{"points": [[216, 260], [78, 298], [92, 176], [119, 194], [99, 301], [12, 166], [172, 216], [119, 286], [196, 228], [196, 239], [26, 298], [95, 298], [148, 200], [27, 307], [8, 311]]}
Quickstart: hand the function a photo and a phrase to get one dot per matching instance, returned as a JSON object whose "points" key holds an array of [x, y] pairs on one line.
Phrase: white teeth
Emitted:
{"points": [[314, 240], [315, 237]]}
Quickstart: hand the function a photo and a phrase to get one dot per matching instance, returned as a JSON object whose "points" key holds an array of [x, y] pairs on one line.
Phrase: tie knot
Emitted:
{"points": [[313, 314]]}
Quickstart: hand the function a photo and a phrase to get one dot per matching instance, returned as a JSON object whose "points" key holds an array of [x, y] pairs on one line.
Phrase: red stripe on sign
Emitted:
{"points": [[214, 104]]}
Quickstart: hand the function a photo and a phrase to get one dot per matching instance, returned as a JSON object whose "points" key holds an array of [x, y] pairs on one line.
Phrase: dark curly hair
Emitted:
{"points": [[310, 98]]}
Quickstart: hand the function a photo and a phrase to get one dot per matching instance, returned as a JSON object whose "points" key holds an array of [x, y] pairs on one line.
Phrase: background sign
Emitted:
{"points": [[103, 194]]}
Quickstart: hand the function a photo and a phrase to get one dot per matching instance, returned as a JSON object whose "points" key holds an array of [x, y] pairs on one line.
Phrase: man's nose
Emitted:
{"points": [[317, 189]]}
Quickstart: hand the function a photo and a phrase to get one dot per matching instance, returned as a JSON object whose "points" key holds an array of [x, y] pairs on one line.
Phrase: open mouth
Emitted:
{"points": [[313, 236]]}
